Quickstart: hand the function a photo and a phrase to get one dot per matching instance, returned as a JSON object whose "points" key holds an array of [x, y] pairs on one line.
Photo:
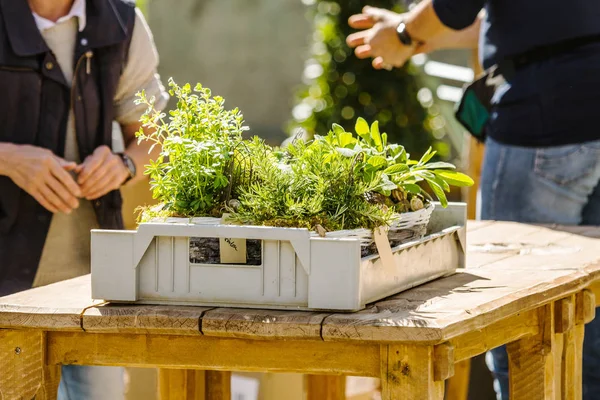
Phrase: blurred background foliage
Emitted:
{"points": [[338, 87]]}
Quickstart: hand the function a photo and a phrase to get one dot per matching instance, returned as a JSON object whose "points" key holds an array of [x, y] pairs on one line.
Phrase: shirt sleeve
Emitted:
{"points": [[457, 14], [140, 73]]}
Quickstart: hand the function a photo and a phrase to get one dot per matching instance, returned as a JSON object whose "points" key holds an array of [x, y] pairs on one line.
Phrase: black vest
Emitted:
{"points": [[34, 106]]}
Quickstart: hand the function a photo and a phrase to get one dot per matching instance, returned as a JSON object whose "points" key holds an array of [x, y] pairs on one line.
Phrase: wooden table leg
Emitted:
{"points": [[325, 387], [531, 361], [415, 372], [182, 384], [572, 353], [458, 386], [25, 374]]}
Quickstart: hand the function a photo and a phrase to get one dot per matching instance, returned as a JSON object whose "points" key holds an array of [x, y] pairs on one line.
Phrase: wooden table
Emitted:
{"points": [[529, 286]]}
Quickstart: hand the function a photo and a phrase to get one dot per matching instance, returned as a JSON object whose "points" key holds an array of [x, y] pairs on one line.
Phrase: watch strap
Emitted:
{"points": [[403, 34], [129, 164]]}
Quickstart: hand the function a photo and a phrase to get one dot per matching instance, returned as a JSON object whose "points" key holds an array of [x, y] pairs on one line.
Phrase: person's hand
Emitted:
{"points": [[100, 173], [45, 177], [379, 39]]}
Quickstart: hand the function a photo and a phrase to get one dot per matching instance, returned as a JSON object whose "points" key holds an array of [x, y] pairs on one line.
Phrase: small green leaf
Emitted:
{"points": [[346, 139], [386, 184], [396, 169], [412, 188], [362, 127], [377, 161], [376, 136], [346, 152], [427, 156], [438, 191], [338, 130], [455, 178], [439, 165], [384, 139]]}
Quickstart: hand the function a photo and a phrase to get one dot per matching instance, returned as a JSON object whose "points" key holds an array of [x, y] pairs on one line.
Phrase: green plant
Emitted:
{"points": [[193, 173], [337, 181], [341, 181]]}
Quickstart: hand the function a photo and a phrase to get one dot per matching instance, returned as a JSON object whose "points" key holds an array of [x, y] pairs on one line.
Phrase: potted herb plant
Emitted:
{"points": [[241, 223]]}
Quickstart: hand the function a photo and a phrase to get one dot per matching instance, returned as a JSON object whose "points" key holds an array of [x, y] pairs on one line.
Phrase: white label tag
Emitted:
{"points": [[383, 246], [233, 251]]}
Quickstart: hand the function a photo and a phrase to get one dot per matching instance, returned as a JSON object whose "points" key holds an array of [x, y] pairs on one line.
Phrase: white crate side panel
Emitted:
{"points": [[334, 280], [412, 267], [280, 280], [114, 275]]}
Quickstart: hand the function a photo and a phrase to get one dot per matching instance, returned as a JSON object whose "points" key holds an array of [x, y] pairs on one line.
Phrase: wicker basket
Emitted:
{"points": [[407, 227]]}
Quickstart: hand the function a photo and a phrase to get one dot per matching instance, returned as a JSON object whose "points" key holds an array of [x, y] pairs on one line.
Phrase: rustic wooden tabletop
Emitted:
{"points": [[530, 286]]}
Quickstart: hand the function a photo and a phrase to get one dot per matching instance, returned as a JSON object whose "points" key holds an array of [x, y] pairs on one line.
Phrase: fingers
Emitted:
{"points": [[64, 178], [92, 163], [108, 177], [90, 183], [45, 203], [378, 63], [66, 165], [48, 194], [104, 186], [379, 14], [361, 21], [364, 51], [68, 199], [357, 39]]}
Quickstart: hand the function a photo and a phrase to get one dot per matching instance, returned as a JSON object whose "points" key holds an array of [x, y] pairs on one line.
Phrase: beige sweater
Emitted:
{"points": [[66, 252]]}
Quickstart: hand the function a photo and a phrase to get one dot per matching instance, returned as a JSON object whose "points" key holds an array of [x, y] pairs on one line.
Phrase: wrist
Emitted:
{"points": [[129, 166], [7, 151]]}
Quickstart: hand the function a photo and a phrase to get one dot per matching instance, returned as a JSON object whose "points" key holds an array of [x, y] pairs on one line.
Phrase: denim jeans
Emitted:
{"points": [[91, 383], [544, 185]]}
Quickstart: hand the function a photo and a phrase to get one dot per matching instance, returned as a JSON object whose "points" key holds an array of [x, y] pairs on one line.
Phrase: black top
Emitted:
{"points": [[547, 103]]}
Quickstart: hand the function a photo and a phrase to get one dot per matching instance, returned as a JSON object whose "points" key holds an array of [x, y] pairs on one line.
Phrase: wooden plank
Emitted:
{"points": [[478, 341], [202, 352], [502, 232], [446, 308], [178, 320], [181, 384], [558, 362], [457, 387], [24, 373], [443, 361], [572, 351], [531, 361], [218, 385], [572, 359], [185, 384], [56, 307], [272, 324], [407, 373], [325, 387], [564, 314], [473, 225]]}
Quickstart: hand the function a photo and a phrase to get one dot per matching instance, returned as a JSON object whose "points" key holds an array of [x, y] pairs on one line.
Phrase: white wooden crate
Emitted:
{"points": [[152, 265]]}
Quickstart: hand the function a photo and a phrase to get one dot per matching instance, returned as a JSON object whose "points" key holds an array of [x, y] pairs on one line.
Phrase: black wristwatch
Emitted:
{"points": [[129, 164], [403, 35]]}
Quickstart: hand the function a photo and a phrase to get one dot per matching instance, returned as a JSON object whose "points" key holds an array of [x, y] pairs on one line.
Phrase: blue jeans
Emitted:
{"points": [[544, 185], [91, 383]]}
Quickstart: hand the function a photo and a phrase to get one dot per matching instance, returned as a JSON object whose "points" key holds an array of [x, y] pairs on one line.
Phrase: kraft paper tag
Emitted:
{"points": [[233, 251], [383, 246]]}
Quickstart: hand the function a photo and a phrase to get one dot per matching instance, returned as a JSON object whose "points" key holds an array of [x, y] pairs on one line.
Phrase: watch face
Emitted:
{"points": [[130, 165], [403, 35]]}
